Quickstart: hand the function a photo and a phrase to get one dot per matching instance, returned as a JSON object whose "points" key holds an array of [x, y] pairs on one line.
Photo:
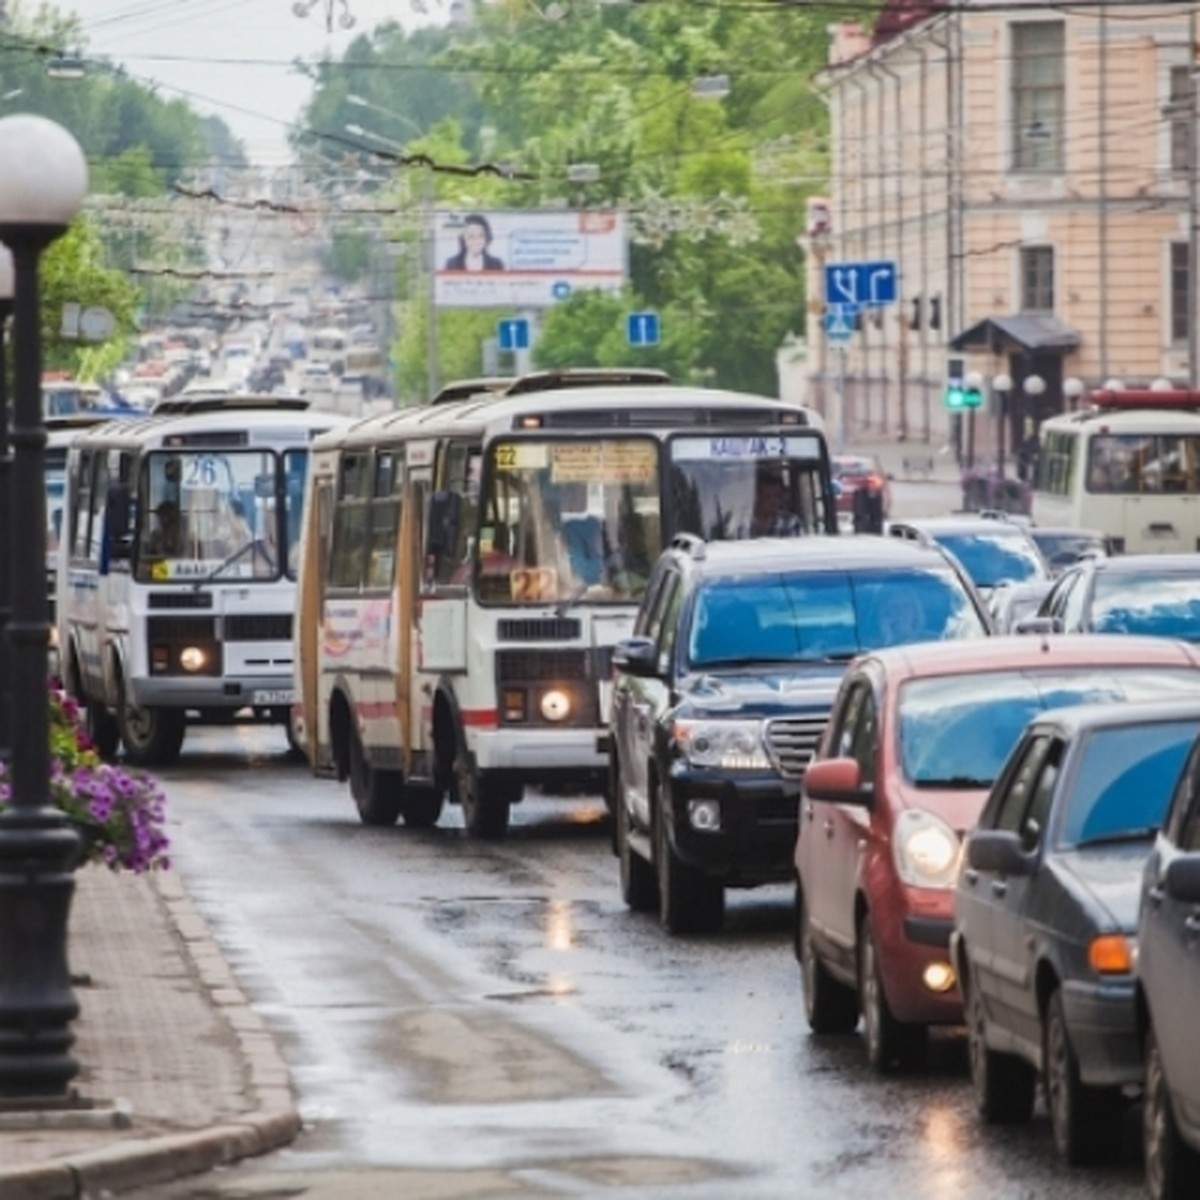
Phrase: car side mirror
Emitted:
{"points": [[636, 656], [1182, 879], [998, 851], [838, 780]]}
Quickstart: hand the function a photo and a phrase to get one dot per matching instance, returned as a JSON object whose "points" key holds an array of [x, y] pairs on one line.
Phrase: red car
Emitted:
{"points": [[915, 739], [855, 472]]}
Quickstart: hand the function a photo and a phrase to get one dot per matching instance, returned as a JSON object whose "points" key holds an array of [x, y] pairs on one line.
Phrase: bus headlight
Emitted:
{"points": [[192, 659], [556, 705]]}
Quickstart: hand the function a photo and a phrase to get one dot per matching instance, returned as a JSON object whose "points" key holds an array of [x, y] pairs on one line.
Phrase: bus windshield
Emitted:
{"points": [[566, 520], [210, 513], [725, 487]]}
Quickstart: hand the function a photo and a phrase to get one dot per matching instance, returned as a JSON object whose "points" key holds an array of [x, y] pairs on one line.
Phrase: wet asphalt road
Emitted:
{"points": [[487, 1020]]}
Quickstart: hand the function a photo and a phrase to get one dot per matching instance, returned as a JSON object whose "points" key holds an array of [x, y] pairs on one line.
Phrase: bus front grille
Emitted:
{"points": [[180, 629], [538, 629], [258, 627], [540, 666]]}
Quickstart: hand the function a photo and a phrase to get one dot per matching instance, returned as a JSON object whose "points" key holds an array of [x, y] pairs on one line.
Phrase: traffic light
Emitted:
{"points": [[962, 390]]}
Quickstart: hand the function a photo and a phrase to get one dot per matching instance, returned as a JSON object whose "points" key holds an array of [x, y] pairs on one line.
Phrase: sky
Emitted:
{"points": [[233, 58]]}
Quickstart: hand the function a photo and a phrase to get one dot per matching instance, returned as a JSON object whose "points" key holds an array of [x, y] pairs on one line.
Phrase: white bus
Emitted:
{"points": [[469, 566], [177, 568], [1129, 467]]}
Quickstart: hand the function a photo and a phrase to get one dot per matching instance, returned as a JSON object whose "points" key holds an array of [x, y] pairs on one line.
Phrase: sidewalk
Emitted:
{"points": [[181, 1073]]}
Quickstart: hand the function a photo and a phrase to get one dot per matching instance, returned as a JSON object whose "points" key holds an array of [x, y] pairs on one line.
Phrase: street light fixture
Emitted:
{"points": [[42, 187], [1073, 388]]}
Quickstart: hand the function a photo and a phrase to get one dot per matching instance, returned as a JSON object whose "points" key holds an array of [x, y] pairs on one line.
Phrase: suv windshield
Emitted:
{"points": [[992, 557], [961, 728], [817, 616]]}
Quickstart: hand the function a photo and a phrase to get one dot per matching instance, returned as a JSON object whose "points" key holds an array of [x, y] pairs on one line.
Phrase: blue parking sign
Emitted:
{"points": [[642, 329]]}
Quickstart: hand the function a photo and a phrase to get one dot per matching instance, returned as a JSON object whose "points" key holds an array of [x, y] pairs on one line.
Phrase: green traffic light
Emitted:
{"points": [[955, 398]]}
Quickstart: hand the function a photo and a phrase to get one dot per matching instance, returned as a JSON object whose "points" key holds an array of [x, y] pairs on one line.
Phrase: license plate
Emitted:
{"points": [[276, 696]]}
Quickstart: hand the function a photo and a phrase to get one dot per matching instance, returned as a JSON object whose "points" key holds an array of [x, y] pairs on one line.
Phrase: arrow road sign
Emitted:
{"points": [[513, 334], [643, 329], [839, 323], [866, 284]]}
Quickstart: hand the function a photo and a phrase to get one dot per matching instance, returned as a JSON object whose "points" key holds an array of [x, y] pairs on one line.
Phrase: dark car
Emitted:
{"points": [[855, 473], [1062, 546], [991, 551], [1045, 915], [915, 740], [1156, 594], [1168, 986], [724, 689]]}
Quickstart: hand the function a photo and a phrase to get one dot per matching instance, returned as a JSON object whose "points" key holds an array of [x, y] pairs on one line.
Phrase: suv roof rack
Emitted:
{"points": [[203, 403], [690, 544], [574, 377]]}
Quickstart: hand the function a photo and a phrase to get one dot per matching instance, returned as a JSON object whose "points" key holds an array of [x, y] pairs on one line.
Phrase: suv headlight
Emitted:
{"points": [[728, 745], [927, 850]]}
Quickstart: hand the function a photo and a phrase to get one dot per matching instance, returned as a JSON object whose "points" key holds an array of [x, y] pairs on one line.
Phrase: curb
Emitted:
{"points": [[130, 1164]]}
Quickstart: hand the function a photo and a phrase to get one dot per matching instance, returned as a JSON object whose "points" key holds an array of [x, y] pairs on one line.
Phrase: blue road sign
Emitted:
{"points": [[642, 328], [839, 322], [560, 289], [865, 284], [513, 334]]}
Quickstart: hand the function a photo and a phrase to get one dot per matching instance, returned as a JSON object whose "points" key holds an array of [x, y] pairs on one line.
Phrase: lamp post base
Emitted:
{"points": [[37, 1005]]}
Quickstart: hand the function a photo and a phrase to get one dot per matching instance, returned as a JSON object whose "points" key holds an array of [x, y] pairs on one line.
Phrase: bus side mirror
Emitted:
{"points": [[441, 528], [118, 525]]}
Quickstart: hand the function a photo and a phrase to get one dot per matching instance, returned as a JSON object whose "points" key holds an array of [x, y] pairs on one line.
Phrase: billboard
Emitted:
{"points": [[528, 258]]}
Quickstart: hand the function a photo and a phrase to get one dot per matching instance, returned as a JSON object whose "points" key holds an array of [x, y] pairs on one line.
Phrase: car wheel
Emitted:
{"points": [[152, 737], [1086, 1121], [485, 802], [1005, 1086], [639, 886], [1172, 1166], [830, 1006], [377, 794], [688, 901], [891, 1045]]}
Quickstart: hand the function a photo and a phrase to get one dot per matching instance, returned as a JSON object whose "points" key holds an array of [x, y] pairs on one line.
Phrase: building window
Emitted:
{"points": [[1178, 112], [1179, 291], [1037, 279], [1038, 95]]}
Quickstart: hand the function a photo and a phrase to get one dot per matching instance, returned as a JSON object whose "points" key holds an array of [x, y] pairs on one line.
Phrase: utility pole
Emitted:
{"points": [[1193, 267], [433, 374]]}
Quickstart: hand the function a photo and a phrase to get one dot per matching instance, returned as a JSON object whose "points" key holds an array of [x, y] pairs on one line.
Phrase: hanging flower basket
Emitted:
{"points": [[119, 814]]}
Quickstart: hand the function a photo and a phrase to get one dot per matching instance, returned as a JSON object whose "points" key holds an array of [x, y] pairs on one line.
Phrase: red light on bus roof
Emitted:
{"points": [[1145, 398]]}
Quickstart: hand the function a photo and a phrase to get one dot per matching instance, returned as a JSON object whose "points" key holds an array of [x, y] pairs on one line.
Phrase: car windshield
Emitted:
{"points": [[958, 730], [822, 615], [1163, 605], [991, 557], [1124, 781]]}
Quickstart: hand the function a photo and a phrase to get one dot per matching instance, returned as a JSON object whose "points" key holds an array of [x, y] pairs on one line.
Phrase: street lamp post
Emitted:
{"points": [[42, 185], [6, 303], [1001, 385]]}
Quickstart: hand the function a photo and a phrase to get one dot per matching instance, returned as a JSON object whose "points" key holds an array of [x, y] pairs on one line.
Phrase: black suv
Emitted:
{"points": [[723, 690]]}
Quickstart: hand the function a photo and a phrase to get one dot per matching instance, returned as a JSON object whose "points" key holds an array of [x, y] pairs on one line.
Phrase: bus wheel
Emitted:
{"points": [[422, 807], [102, 728], [151, 736], [295, 747], [485, 801], [377, 794]]}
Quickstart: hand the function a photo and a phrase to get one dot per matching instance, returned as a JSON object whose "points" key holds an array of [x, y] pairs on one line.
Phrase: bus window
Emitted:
{"points": [[295, 472], [460, 476], [561, 520], [350, 522], [384, 522]]}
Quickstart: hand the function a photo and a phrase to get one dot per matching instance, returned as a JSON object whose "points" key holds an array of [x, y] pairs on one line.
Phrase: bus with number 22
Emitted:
{"points": [[468, 567]]}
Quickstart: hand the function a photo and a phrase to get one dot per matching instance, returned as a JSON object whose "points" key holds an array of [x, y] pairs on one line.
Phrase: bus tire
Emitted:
{"points": [[422, 806], [102, 728], [485, 801], [377, 794], [152, 737]]}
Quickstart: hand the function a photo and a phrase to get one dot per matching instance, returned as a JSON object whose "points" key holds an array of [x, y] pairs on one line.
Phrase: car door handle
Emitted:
{"points": [[971, 876], [1155, 895], [809, 813], [999, 887], [1192, 924], [828, 827]]}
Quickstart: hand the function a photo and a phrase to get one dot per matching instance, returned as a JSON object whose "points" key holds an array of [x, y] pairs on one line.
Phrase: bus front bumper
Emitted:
{"points": [[249, 691], [537, 749]]}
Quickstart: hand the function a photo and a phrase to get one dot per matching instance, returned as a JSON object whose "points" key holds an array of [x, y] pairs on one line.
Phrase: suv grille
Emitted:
{"points": [[792, 741]]}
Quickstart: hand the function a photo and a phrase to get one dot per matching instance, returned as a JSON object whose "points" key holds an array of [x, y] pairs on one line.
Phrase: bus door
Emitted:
{"points": [[311, 609]]}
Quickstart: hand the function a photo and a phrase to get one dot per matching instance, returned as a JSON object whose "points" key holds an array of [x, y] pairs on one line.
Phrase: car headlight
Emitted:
{"points": [[927, 850], [728, 745]]}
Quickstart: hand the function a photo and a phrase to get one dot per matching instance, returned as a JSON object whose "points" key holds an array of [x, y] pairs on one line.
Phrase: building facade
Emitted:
{"points": [[1029, 172]]}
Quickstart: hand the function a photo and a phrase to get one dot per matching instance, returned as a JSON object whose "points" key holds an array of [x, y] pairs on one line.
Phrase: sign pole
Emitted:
{"points": [[841, 395]]}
